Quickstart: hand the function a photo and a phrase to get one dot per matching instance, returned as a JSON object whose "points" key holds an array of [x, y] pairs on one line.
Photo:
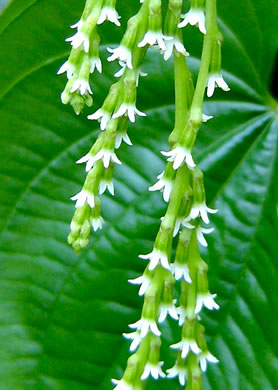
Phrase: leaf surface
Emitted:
{"points": [[61, 315]]}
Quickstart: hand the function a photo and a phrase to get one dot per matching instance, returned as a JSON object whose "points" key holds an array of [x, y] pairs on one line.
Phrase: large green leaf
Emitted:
{"points": [[62, 316]]}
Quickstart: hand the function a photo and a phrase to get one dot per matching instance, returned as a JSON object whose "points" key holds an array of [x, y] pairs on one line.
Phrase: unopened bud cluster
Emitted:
{"points": [[181, 182]]}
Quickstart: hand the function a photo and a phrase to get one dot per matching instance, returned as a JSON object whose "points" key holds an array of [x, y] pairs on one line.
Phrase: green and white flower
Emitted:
{"points": [[207, 300], [144, 326], [216, 80], [181, 270], [122, 137], [95, 63], [200, 234], [144, 280], [79, 39], [69, 68], [178, 156], [171, 44], [153, 38], [83, 197], [82, 85], [106, 184], [109, 13], [205, 357], [156, 257], [136, 340], [121, 385], [194, 17], [122, 54], [153, 370], [178, 371], [186, 345], [129, 109], [97, 222], [107, 156], [164, 184], [102, 115], [165, 309], [201, 210]]}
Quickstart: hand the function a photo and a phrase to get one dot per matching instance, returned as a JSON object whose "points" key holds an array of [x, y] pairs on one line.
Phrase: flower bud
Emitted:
{"points": [[172, 17]]}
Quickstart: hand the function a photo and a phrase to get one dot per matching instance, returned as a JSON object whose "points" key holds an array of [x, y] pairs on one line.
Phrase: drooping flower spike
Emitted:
{"points": [[174, 285]]}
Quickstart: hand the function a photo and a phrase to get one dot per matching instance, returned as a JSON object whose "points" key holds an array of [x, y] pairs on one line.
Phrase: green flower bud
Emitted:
{"points": [[172, 17]]}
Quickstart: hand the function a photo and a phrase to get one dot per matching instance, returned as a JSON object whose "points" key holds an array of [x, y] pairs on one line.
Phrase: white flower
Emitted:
{"points": [[84, 197], [122, 53], [104, 117], [181, 270], [202, 210], [181, 311], [105, 184], [156, 257], [79, 39], [130, 109], [122, 137], [144, 280], [78, 24], [110, 14], [163, 184], [97, 223], [178, 155], [194, 17], [144, 326], [95, 64], [121, 385], [204, 357], [183, 222], [154, 370], [151, 38], [185, 345], [165, 309], [206, 117], [106, 156], [200, 235], [120, 72], [82, 85], [172, 43], [181, 372], [136, 340], [215, 80], [89, 159], [67, 67], [207, 300]]}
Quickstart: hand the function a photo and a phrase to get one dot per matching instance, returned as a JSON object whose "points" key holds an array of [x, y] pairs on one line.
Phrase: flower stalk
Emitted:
{"points": [[181, 182]]}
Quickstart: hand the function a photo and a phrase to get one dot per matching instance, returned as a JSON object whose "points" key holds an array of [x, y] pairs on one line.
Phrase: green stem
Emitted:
{"points": [[197, 103], [182, 81], [194, 258], [181, 182]]}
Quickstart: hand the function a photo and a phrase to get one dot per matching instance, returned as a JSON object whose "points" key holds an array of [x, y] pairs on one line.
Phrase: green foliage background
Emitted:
{"points": [[61, 316]]}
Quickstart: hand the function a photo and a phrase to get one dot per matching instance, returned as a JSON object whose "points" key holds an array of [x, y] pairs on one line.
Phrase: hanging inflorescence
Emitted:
{"points": [[181, 182]]}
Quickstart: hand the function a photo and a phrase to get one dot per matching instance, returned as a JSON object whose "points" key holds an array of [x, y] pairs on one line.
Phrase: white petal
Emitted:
{"points": [[194, 348], [211, 358], [185, 350], [203, 363], [155, 329], [153, 263], [222, 84], [206, 117], [211, 86], [63, 68], [162, 315], [201, 238], [204, 215]]}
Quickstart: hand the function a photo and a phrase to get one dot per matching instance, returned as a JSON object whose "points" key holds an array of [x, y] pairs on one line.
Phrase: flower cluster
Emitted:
{"points": [[181, 182]]}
